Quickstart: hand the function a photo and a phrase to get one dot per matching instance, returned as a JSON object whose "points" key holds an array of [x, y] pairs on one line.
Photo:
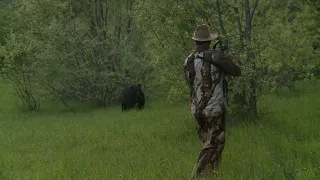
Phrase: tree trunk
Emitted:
{"points": [[222, 29], [129, 9], [253, 110], [240, 98]]}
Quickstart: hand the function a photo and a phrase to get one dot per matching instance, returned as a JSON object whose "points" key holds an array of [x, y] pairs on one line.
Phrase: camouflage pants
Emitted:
{"points": [[211, 132]]}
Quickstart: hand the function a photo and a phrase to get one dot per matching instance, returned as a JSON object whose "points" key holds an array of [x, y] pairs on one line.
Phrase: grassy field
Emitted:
{"points": [[159, 142]]}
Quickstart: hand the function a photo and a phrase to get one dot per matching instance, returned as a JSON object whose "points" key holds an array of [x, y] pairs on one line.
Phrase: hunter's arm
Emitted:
{"points": [[226, 64], [186, 72], [189, 72]]}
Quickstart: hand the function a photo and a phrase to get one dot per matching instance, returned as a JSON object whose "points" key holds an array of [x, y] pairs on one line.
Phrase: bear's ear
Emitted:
{"points": [[132, 87]]}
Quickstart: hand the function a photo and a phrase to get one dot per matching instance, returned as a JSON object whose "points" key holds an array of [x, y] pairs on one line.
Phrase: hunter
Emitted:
{"points": [[206, 72]]}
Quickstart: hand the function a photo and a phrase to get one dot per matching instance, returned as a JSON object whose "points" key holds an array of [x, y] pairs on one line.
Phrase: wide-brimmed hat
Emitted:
{"points": [[202, 33]]}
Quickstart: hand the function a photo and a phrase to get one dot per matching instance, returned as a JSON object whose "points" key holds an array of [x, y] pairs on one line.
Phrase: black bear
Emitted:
{"points": [[132, 96]]}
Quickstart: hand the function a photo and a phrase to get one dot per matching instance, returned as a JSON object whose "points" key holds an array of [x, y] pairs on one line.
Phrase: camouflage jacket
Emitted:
{"points": [[205, 73]]}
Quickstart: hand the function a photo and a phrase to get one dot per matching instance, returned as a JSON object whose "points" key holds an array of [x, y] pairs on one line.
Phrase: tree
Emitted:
{"points": [[247, 28], [77, 50]]}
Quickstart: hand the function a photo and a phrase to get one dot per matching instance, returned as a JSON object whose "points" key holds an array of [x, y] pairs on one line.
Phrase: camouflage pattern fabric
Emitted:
{"points": [[211, 131], [208, 102], [207, 85]]}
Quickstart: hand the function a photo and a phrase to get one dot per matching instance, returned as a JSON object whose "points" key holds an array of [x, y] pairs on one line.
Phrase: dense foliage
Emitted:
{"points": [[89, 50]]}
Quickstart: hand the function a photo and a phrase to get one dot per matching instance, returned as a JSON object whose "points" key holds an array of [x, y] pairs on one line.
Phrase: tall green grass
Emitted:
{"points": [[159, 142]]}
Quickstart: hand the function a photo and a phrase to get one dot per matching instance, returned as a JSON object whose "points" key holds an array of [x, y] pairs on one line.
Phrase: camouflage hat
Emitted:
{"points": [[202, 33]]}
